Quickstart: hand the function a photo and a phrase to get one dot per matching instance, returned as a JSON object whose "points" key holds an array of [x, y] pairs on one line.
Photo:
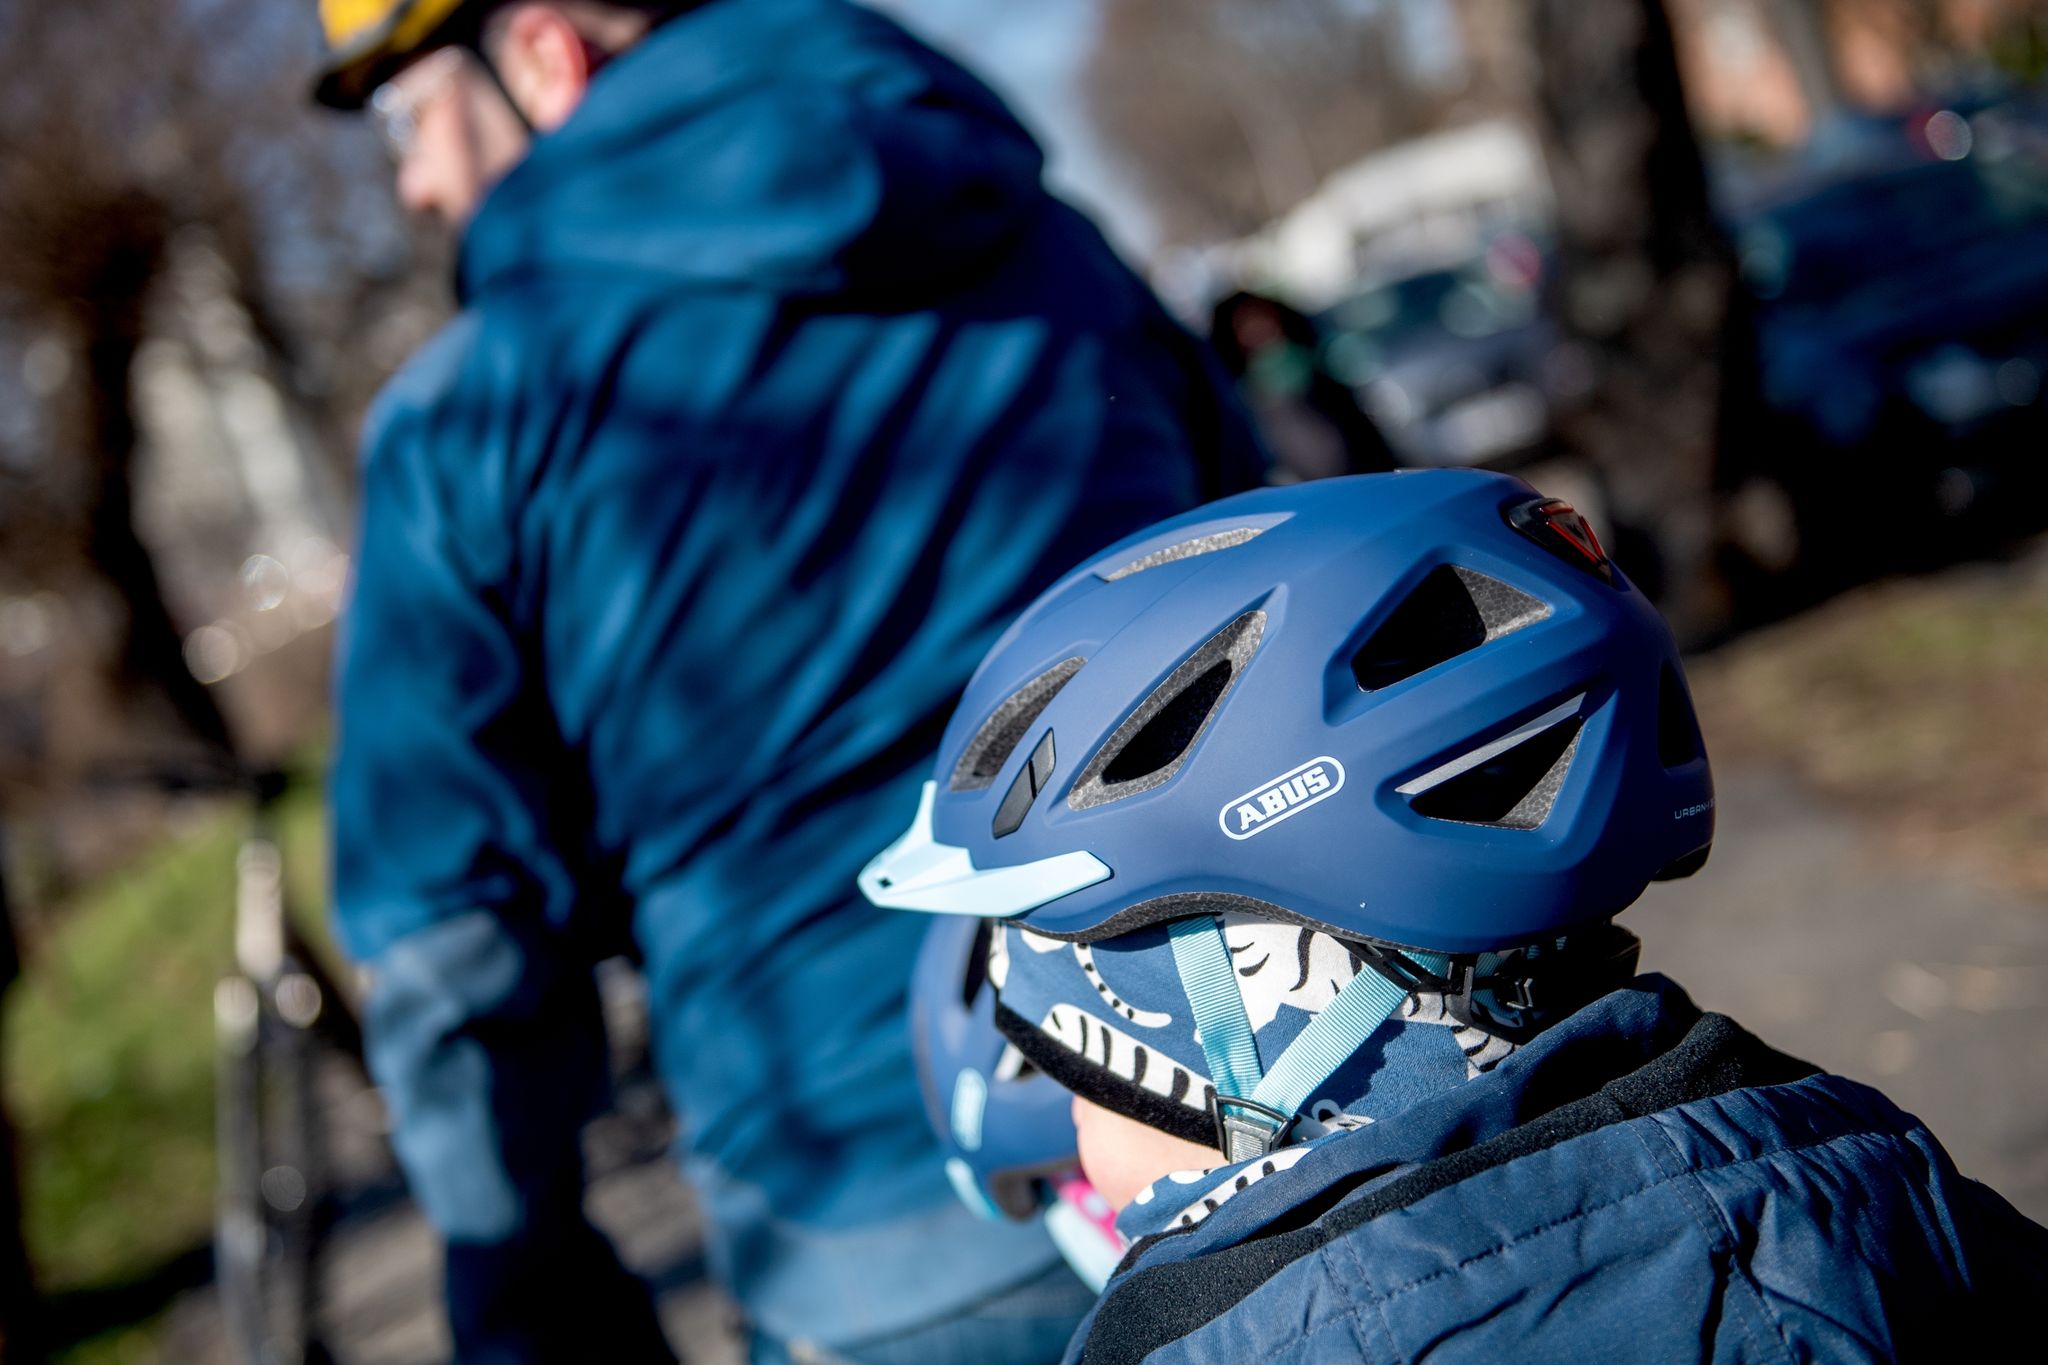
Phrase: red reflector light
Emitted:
{"points": [[1557, 526]]}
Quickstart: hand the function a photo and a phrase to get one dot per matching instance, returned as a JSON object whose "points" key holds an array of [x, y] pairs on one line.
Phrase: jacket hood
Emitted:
{"points": [[800, 145]]}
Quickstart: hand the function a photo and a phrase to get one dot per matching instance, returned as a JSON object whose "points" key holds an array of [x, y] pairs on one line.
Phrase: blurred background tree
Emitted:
{"points": [[1229, 114], [201, 281], [1644, 283], [84, 230]]}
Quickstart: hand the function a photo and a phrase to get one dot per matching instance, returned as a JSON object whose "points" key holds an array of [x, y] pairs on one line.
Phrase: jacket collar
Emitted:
{"points": [[1188, 1213]]}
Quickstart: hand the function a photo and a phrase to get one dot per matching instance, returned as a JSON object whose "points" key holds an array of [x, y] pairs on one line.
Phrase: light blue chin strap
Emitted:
{"points": [[1255, 1108]]}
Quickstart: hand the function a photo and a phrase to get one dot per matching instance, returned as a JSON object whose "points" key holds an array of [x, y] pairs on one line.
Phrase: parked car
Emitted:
{"points": [[1901, 335], [1454, 364]]}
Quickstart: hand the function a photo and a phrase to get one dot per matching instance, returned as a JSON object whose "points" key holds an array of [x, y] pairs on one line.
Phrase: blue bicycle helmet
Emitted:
{"points": [[1006, 1128], [1421, 713]]}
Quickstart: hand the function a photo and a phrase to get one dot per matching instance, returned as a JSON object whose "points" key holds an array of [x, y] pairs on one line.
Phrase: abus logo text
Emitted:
{"points": [[1266, 805]]}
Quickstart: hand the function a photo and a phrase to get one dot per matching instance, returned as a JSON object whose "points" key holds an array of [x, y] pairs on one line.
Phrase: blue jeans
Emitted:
{"points": [[1027, 1324]]}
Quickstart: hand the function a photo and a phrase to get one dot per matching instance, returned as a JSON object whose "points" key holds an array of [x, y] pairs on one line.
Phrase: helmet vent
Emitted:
{"points": [[1513, 785], [1678, 729], [1186, 549], [1172, 728], [999, 736], [976, 974], [1153, 742], [1449, 612]]}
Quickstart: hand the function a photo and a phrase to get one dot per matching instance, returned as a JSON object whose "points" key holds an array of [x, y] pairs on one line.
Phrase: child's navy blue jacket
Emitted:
{"points": [[780, 385], [1642, 1183]]}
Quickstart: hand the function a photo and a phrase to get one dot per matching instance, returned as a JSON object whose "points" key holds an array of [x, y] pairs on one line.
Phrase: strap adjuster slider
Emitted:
{"points": [[1246, 1135]]}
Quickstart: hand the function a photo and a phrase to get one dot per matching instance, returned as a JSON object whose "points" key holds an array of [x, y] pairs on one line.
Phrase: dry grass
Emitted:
{"points": [[1918, 702]]}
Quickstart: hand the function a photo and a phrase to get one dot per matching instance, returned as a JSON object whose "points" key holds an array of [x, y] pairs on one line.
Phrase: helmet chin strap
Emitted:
{"points": [[1255, 1109]]}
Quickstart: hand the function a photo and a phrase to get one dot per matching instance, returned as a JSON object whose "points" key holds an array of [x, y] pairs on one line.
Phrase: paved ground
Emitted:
{"points": [[380, 1272], [1804, 927], [380, 1275], [1832, 946]]}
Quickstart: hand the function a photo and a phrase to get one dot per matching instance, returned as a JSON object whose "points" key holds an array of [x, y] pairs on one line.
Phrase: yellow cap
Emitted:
{"points": [[367, 40]]}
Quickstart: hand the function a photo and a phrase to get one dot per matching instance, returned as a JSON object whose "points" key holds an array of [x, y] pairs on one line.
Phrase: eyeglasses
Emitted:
{"points": [[395, 107]]}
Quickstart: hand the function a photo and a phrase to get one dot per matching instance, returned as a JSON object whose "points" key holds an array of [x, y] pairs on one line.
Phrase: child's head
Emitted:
{"points": [[1275, 773]]}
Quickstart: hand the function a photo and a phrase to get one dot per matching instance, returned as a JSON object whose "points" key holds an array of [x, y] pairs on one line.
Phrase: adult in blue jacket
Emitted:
{"points": [[779, 385], [1308, 900]]}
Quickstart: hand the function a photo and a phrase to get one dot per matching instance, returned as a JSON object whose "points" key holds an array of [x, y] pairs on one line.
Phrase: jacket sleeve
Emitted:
{"points": [[483, 1026]]}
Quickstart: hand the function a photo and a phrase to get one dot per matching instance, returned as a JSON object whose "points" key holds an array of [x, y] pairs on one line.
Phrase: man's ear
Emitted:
{"points": [[543, 61]]}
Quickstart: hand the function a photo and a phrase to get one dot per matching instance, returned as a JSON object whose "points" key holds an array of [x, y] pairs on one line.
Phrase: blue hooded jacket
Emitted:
{"points": [[1639, 1183], [780, 385]]}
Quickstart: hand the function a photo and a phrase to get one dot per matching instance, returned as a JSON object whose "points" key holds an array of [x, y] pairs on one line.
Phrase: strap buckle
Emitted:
{"points": [[1396, 967], [1252, 1134], [1595, 967]]}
